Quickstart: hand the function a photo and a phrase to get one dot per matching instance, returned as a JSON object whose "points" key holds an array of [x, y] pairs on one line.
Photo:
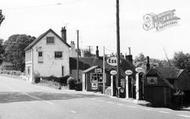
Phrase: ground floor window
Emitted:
{"points": [[96, 77], [58, 54], [40, 57]]}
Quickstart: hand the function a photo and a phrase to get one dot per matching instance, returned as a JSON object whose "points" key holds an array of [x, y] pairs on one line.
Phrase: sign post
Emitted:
{"points": [[112, 72], [137, 86], [83, 82], [138, 70], [127, 72]]}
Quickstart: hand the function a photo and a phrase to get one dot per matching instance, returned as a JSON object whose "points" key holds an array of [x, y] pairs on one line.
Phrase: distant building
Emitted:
{"points": [[166, 86], [92, 67], [48, 55], [73, 50]]}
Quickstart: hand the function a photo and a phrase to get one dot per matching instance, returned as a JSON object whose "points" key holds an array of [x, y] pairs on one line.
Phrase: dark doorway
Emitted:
{"points": [[62, 70]]}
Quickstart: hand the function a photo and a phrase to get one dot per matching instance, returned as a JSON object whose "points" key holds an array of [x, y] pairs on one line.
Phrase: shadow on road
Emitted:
{"points": [[8, 97]]}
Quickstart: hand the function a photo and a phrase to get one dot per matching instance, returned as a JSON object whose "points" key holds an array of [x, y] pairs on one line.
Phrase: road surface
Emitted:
{"points": [[21, 100]]}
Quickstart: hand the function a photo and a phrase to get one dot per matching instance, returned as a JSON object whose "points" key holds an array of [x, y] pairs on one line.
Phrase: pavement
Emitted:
{"points": [[21, 100]]}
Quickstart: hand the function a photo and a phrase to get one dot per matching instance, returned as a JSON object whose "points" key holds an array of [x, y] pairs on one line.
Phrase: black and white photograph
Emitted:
{"points": [[94, 59]]}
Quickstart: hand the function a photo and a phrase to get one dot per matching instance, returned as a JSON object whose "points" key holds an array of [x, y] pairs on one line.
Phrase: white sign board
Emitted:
{"points": [[139, 69], [112, 61], [94, 85], [128, 72], [113, 72]]}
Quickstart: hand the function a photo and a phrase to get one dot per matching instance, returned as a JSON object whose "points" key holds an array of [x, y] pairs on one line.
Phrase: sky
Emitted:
{"points": [[96, 22]]}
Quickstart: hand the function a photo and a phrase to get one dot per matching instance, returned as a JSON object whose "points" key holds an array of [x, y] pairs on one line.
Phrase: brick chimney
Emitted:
{"points": [[72, 44], [129, 57], [97, 52], [64, 33]]}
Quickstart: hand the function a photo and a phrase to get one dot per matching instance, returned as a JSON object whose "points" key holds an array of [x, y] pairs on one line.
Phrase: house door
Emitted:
{"points": [[141, 86], [62, 70]]}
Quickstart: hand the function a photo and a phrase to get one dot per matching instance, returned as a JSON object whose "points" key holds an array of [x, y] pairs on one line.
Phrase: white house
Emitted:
{"points": [[48, 55]]}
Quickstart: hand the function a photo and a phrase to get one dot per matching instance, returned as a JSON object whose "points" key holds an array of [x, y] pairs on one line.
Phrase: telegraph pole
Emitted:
{"points": [[78, 55], [118, 43]]}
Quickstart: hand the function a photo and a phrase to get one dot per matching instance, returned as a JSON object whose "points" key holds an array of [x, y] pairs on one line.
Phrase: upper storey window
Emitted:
{"points": [[50, 40]]}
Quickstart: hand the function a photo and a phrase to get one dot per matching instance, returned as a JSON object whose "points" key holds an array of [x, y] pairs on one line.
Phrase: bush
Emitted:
{"points": [[52, 78], [78, 86], [63, 80], [36, 78], [71, 82]]}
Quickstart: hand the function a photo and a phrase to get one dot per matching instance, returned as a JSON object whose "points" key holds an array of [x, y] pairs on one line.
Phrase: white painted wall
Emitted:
{"points": [[50, 65], [28, 65]]}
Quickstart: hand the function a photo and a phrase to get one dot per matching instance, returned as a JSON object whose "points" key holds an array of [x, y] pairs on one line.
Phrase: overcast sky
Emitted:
{"points": [[96, 21]]}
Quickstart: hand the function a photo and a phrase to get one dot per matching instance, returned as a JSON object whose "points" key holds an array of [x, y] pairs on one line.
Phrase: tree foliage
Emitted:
{"points": [[87, 53], [182, 60], [141, 60], [14, 50], [1, 51]]}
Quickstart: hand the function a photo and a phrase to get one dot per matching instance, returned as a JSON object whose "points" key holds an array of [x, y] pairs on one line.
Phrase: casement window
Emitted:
{"points": [[50, 40], [40, 54], [58, 55], [40, 57]]}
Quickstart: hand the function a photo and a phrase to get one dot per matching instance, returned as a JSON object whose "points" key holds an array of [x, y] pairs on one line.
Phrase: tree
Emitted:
{"points": [[2, 17], [181, 60], [141, 60], [1, 51], [14, 50], [87, 53]]}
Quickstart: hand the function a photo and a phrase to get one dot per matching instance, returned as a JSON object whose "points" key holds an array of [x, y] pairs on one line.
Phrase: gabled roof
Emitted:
{"points": [[41, 36], [165, 72]]}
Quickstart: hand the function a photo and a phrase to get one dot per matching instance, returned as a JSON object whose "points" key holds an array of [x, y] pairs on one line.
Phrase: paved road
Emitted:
{"points": [[22, 100]]}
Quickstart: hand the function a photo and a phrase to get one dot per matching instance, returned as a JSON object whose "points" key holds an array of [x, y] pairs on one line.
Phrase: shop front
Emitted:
{"points": [[93, 79]]}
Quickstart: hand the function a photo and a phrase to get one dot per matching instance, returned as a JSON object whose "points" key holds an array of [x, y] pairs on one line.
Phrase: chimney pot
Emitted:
{"points": [[64, 33], [129, 58], [72, 44], [97, 52], [129, 50]]}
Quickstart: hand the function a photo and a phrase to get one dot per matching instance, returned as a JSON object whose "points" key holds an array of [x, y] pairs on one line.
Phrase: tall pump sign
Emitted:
{"points": [[159, 21]]}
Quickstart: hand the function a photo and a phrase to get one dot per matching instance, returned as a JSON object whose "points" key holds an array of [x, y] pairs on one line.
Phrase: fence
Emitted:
{"points": [[11, 72]]}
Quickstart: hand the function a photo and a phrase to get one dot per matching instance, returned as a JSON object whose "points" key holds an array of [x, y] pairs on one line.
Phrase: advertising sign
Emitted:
{"points": [[113, 72], [98, 70], [128, 72], [112, 61], [139, 69], [94, 85]]}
